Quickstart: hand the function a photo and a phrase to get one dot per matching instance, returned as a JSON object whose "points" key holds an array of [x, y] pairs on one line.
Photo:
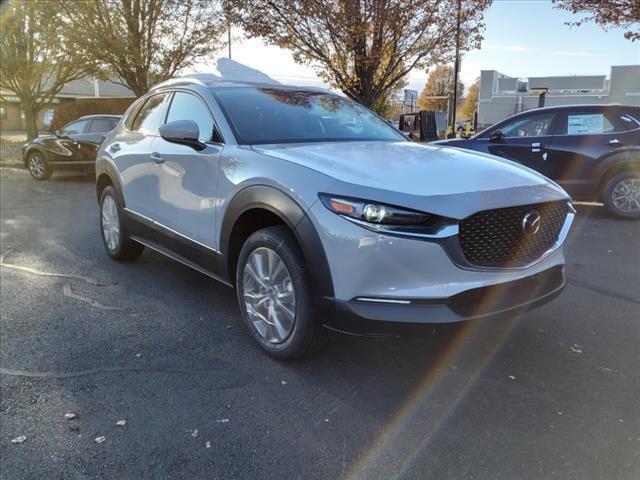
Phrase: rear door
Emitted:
{"points": [[72, 137], [187, 179], [525, 140], [131, 150], [583, 137], [98, 128]]}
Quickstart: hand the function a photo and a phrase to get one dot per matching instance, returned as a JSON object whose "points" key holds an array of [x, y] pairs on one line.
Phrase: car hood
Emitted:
{"points": [[438, 179]]}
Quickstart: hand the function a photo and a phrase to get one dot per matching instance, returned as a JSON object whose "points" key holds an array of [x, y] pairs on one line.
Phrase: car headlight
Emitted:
{"points": [[374, 213]]}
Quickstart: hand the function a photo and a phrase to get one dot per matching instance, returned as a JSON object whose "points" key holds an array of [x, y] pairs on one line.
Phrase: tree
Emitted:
{"points": [[439, 83], [606, 13], [143, 42], [366, 47], [471, 102], [35, 62]]}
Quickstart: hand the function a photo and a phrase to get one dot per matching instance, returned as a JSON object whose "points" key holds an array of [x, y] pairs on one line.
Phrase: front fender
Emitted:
{"points": [[294, 216]]}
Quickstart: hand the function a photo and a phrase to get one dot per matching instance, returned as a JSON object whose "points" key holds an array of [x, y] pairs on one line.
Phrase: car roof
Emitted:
{"points": [[87, 117], [213, 82], [580, 106]]}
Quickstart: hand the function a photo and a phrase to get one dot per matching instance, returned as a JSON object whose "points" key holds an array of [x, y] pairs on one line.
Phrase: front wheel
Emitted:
{"points": [[118, 245], [37, 165], [621, 195], [274, 294]]}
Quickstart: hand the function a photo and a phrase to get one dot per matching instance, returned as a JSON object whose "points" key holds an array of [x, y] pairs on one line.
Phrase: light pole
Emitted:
{"points": [[456, 70]]}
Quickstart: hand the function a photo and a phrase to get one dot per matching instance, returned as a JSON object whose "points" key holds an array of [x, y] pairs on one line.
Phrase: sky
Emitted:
{"points": [[522, 38]]}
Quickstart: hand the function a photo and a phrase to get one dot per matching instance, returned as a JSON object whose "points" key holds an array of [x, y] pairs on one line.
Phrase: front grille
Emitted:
{"points": [[496, 238]]}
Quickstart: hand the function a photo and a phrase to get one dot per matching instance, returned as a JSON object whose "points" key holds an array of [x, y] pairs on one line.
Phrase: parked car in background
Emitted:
{"points": [[592, 151], [74, 146], [323, 215]]}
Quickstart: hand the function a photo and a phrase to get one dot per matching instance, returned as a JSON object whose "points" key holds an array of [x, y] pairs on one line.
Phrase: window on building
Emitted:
{"points": [[3, 113]]}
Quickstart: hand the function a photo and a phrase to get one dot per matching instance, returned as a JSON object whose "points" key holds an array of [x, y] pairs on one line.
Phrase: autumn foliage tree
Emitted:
{"points": [[471, 101], [143, 42], [35, 58], [366, 48], [606, 13], [439, 84]]}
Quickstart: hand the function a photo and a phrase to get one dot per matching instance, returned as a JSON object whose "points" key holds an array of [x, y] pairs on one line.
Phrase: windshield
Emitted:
{"points": [[261, 115]]}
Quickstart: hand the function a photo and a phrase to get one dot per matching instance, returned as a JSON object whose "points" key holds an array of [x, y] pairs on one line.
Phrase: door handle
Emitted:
{"points": [[115, 147], [615, 141], [536, 147], [156, 158]]}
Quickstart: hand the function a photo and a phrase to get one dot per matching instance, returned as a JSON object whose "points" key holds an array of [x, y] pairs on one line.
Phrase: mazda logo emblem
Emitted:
{"points": [[531, 223]]}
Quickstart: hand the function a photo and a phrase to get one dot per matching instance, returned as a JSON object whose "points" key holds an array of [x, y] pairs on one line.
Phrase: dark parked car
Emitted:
{"points": [[592, 151], [73, 146]]}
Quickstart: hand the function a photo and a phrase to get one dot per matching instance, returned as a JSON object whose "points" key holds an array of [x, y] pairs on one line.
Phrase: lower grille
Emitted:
{"points": [[511, 237]]}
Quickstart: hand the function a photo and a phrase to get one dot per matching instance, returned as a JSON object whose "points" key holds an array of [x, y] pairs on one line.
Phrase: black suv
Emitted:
{"points": [[73, 146], [592, 151]]}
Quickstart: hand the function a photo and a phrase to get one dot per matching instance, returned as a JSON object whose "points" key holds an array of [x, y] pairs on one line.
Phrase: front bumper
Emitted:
{"points": [[381, 282], [500, 300]]}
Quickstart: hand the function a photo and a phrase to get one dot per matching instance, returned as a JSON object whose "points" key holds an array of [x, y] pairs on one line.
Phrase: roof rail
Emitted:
{"points": [[203, 79]]}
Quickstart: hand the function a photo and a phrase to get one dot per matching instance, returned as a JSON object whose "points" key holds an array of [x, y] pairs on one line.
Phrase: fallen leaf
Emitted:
{"points": [[20, 439], [74, 427], [207, 444], [223, 420], [512, 377], [284, 382], [194, 434], [138, 355], [575, 348], [70, 416], [121, 423], [99, 440]]}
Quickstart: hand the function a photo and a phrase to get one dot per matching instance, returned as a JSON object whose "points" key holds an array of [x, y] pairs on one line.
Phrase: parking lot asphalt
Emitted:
{"points": [[552, 394]]}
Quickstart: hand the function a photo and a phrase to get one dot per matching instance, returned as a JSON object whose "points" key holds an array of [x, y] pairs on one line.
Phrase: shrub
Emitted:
{"points": [[68, 111]]}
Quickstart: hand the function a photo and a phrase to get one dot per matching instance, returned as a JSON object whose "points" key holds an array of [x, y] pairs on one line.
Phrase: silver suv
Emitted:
{"points": [[324, 216]]}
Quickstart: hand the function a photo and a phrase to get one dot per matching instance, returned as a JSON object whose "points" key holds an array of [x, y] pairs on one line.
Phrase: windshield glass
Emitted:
{"points": [[260, 115]]}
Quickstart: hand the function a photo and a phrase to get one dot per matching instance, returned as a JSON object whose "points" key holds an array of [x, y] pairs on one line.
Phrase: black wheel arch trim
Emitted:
{"points": [[108, 170], [614, 163], [294, 216], [34, 147]]}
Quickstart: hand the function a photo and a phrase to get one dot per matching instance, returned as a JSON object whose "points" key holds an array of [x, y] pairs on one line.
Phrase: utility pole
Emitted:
{"points": [[455, 74]]}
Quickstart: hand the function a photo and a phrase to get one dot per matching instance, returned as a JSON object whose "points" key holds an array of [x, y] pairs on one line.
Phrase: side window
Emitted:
{"points": [[148, 119], [185, 106], [128, 121], [74, 128], [531, 126], [101, 125], [582, 123], [622, 122]]}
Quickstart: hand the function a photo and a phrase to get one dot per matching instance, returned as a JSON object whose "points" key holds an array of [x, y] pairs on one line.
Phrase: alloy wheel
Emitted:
{"points": [[110, 223], [626, 195], [37, 166], [269, 295]]}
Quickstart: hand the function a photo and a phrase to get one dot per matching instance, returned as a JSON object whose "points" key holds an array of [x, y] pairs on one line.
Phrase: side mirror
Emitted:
{"points": [[496, 137], [183, 132]]}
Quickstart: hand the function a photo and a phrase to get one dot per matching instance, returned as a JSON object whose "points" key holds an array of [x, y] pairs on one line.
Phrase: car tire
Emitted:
{"points": [[113, 231], [274, 295], [621, 195], [38, 166]]}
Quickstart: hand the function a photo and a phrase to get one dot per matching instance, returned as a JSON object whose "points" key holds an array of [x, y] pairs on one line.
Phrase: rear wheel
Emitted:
{"points": [[274, 295], [621, 195], [118, 245], [37, 165]]}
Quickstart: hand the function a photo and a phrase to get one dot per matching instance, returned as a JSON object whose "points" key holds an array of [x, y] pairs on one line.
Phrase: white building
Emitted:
{"points": [[501, 95]]}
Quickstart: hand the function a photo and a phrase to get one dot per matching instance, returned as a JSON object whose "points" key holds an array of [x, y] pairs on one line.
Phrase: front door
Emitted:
{"points": [[187, 179], [526, 140]]}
